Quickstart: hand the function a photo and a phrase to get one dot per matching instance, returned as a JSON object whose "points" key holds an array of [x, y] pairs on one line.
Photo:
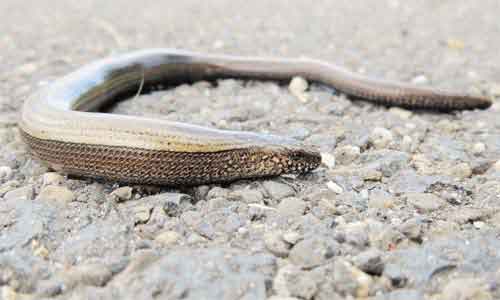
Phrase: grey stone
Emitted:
{"points": [[205, 229], [217, 203], [408, 181], [425, 202], [413, 229], [123, 193], [406, 294], [22, 193], [292, 206], [191, 218], [247, 196], [5, 173], [347, 154], [301, 284], [381, 137], [312, 252], [370, 261], [466, 288], [276, 244], [349, 280], [389, 162], [17, 272], [217, 192], [418, 265], [141, 213], [52, 178], [168, 238], [444, 148], [278, 190], [57, 194], [23, 221], [198, 274], [87, 274]]}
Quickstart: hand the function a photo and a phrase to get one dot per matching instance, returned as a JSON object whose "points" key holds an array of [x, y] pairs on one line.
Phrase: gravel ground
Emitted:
{"points": [[404, 207]]}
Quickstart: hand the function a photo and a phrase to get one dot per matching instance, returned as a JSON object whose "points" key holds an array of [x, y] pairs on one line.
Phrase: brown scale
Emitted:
{"points": [[133, 165]]}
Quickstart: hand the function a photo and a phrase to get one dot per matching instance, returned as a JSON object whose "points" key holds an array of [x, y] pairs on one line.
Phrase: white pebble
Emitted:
{"points": [[478, 148], [381, 137], [406, 143], [420, 80], [52, 178], [22, 193], [5, 172], [401, 112], [460, 170], [56, 193], [496, 166], [334, 187], [122, 193], [168, 238], [298, 87], [479, 224], [347, 154], [328, 159]]}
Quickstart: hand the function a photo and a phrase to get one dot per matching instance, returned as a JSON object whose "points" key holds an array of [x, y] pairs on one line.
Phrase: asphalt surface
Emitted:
{"points": [[409, 209]]}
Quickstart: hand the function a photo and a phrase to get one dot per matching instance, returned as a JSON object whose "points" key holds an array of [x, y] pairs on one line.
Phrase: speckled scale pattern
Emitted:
{"points": [[132, 165]]}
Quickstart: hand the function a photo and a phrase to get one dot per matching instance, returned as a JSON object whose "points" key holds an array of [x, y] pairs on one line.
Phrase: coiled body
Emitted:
{"points": [[62, 127]]}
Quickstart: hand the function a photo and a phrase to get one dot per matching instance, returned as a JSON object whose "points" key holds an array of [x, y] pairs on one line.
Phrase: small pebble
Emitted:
{"points": [[246, 196], [347, 154], [141, 213], [381, 137], [291, 237], [60, 194], [334, 187], [217, 192], [292, 206], [456, 44], [425, 202], [217, 203], [495, 90], [479, 224], [52, 178], [496, 165], [478, 148], [88, 274], [406, 143], [466, 288], [195, 238], [311, 252], [370, 261], [41, 251], [350, 280], [328, 159], [298, 87], [413, 229], [168, 238], [301, 284], [22, 193], [420, 80], [5, 173], [123, 193], [27, 69], [276, 245], [278, 190], [381, 201], [401, 112], [460, 171], [447, 126]]}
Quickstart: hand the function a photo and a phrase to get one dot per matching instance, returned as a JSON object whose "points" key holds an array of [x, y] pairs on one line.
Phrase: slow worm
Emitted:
{"points": [[62, 126]]}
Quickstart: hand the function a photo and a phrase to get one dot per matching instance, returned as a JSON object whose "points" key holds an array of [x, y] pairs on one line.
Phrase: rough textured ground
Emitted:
{"points": [[409, 209]]}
